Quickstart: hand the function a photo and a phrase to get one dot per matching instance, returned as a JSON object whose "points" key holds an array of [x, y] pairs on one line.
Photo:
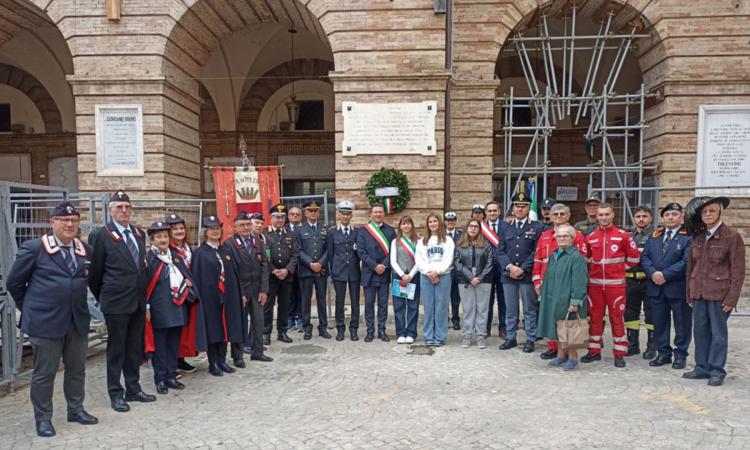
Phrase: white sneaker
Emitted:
{"points": [[401, 340], [408, 340]]}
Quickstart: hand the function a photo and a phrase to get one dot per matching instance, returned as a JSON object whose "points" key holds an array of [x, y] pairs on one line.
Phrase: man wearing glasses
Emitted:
{"points": [[545, 248], [48, 283], [515, 260]]}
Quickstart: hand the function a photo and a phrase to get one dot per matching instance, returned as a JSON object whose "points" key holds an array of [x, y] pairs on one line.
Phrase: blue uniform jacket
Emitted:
{"points": [[372, 254], [672, 264], [312, 248], [517, 247], [164, 312], [48, 295], [342, 254]]}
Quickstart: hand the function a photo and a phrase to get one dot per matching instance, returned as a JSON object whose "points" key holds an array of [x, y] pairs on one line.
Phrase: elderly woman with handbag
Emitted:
{"points": [[563, 296]]}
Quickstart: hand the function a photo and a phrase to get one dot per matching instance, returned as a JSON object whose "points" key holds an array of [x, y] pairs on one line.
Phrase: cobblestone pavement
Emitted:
{"points": [[377, 395]]}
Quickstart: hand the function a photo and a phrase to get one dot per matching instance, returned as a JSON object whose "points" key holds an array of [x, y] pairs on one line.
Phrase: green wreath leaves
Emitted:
{"points": [[389, 178]]}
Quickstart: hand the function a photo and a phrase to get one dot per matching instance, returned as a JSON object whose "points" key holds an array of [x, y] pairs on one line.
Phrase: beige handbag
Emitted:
{"points": [[573, 333]]}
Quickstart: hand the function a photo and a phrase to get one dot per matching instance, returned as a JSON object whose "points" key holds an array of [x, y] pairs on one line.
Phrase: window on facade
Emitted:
{"points": [[311, 115], [4, 117]]}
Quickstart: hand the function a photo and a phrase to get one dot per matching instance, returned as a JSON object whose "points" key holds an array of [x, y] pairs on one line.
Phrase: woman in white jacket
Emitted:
{"points": [[434, 259]]}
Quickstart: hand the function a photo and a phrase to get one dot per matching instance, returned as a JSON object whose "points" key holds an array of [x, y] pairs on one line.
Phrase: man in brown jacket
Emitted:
{"points": [[716, 271]]}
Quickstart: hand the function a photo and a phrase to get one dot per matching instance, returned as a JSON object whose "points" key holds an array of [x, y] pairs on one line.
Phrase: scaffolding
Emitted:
{"points": [[559, 99]]}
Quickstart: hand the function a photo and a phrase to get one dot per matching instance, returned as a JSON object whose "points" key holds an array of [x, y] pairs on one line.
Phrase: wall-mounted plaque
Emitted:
{"points": [[566, 194], [119, 140], [389, 128], [723, 157]]}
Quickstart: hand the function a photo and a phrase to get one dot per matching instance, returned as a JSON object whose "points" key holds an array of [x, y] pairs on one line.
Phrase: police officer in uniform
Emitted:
{"points": [[249, 257], [294, 222], [313, 268], [455, 234], [636, 289], [48, 284], [547, 205], [665, 262], [118, 280], [344, 266], [591, 223], [515, 261], [283, 255]]}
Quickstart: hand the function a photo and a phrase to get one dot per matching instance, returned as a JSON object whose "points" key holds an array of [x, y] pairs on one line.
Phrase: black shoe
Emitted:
{"points": [[354, 336], [660, 361], [340, 335], [266, 339], [383, 336], [283, 337], [528, 347], [369, 337], [247, 350], [510, 343], [591, 357], [650, 352], [119, 405], [172, 383], [185, 366], [307, 336], [239, 363], [324, 334], [140, 397], [619, 362], [44, 428], [549, 354], [161, 388], [83, 418], [456, 325], [694, 375], [678, 364], [634, 343], [214, 370], [261, 358], [715, 381], [225, 367]]}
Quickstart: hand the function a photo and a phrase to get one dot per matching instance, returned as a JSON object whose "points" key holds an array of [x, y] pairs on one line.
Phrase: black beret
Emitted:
{"points": [[242, 215], [119, 196], [671, 207], [211, 222], [255, 216], [64, 209], [158, 226], [174, 219]]}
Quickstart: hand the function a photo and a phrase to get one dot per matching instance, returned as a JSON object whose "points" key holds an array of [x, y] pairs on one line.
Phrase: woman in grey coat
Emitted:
{"points": [[473, 261]]}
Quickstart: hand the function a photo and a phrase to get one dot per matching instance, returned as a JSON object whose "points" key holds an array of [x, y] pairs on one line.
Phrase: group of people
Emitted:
{"points": [[164, 299]]}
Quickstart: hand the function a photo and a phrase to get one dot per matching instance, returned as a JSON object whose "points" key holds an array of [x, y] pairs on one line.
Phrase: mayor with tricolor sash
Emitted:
{"points": [[373, 248]]}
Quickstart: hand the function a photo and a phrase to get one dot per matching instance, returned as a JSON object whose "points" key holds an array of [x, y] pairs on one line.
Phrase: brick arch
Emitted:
{"points": [[32, 88], [271, 81]]}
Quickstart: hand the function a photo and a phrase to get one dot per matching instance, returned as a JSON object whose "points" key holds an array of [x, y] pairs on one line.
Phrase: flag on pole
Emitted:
{"points": [[248, 189], [531, 185]]}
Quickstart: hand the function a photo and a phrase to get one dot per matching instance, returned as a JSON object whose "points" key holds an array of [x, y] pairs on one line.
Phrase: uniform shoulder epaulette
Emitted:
{"points": [[682, 231], [114, 234], [238, 242], [658, 232]]}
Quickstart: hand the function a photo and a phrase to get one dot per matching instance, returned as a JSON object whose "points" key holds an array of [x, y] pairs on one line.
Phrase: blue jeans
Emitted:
{"points": [[435, 298], [662, 310], [380, 293], [512, 289], [406, 312], [711, 338]]}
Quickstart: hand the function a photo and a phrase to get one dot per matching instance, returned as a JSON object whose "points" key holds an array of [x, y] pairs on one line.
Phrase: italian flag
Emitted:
{"points": [[531, 185]]}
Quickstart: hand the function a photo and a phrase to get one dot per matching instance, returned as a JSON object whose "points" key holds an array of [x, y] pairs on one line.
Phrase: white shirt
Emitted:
{"points": [[435, 256], [394, 260], [673, 232], [121, 229]]}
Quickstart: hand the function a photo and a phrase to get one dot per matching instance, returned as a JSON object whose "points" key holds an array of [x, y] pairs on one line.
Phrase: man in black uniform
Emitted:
{"points": [[313, 269], [455, 234], [48, 283], [249, 257], [345, 271], [118, 281], [590, 223], [637, 290], [547, 205], [283, 255], [294, 222]]}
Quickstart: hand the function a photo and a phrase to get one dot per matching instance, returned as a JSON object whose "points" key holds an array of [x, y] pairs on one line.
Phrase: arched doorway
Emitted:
{"points": [[37, 109], [241, 64], [571, 106]]}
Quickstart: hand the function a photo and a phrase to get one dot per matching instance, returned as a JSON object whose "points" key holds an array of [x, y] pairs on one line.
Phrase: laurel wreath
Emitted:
{"points": [[389, 178]]}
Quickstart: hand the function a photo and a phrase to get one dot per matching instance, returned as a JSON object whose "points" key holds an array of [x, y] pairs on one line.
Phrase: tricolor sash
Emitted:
{"points": [[490, 234], [408, 247], [378, 235]]}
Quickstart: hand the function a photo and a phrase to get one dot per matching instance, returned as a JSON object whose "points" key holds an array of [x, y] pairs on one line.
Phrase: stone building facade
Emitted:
{"points": [[208, 71]]}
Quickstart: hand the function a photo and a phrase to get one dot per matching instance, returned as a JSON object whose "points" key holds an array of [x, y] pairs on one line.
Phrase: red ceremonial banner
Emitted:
{"points": [[268, 178], [248, 189]]}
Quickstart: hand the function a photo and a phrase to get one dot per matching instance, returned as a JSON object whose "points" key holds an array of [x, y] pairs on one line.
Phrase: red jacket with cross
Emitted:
{"points": [[611, 252]]}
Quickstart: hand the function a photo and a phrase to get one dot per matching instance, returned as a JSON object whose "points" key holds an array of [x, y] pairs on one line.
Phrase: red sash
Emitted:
{"points": [[490, 234]]}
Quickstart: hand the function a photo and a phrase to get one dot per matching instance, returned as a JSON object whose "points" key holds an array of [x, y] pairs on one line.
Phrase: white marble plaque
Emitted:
{"points": [[723, 157], [389, 128], [119, 140], [566, 194]]}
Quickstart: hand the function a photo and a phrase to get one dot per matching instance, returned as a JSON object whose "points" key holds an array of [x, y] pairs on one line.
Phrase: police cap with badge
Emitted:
{"points": [[478, 208], [521, 197], [345, 207], [450, 215], [311, 205], [278, 209], [65, 209], [119, 196], [548, 203], [592, 198]]}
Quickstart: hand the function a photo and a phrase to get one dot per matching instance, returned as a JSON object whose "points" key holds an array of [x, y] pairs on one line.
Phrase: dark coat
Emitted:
{"points": [[312, 248], [466, 258], [672, 263], [48, 295], [517, 247], [371, 254], [164, 312], [223, 313], [716, 268], [114, 279], [251, 265], [342, 254], [283, 252]]}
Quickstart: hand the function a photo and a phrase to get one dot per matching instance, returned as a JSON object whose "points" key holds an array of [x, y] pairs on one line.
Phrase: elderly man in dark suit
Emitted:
{"points": [[715, 274], [48, 283], [118, 280]]}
